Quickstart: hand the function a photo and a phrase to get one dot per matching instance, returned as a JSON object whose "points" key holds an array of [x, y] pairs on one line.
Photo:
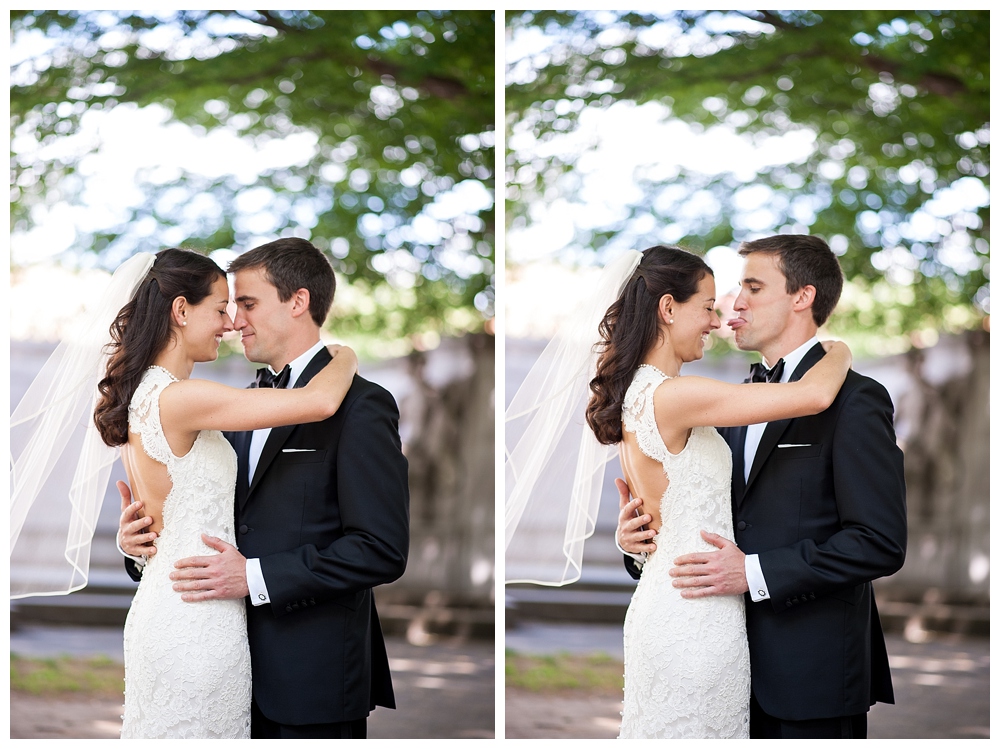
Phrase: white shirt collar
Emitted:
{"points": [[793, 359], [298, 364]]}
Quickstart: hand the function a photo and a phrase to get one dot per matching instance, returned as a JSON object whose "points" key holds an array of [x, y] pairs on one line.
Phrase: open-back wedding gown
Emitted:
{"points": [[687, 666], [187, 665]]}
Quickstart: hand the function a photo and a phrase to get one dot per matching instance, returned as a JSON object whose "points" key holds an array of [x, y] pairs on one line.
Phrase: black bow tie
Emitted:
{"points": [[267, 380], [760, 373]]}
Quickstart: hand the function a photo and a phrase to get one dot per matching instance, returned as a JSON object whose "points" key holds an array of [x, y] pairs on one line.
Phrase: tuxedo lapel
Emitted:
{"points": [[280, 435], [272, 447], [241, 443], [774, 429], [772, 432], [739, 466]]}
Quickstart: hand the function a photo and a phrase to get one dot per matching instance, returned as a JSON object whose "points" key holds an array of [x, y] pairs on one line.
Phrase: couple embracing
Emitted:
{"points": [[262, 517], [762, 511]]}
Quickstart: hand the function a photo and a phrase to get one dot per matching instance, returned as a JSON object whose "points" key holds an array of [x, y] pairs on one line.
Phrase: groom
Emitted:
{"points": [[818, 512], [321, 517]]}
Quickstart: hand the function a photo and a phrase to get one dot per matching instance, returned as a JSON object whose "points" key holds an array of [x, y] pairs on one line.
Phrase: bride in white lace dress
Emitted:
{"points": [[187, 665], [687, 666]]}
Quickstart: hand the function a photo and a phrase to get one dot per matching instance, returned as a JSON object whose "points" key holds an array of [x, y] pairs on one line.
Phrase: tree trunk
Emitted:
{"points": [[944, 428], [447, 423]]}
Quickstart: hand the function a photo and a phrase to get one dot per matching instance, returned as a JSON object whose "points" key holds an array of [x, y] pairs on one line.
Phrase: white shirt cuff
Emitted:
{"points": [[755, 578], [255, 583], [141, 561], [640, 559]]}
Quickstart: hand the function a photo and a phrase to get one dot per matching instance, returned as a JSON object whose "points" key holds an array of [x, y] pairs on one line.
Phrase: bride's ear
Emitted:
{"points": [[665, 309], [178, 311]]}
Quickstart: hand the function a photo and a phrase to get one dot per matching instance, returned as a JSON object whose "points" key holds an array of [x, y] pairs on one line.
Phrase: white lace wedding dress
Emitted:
{"points": [[187, 665], [687, 666]]}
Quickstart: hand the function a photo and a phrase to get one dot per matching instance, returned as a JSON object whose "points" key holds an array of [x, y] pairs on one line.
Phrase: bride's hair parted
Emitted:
{"points": [[141, 330], [631, 328]]}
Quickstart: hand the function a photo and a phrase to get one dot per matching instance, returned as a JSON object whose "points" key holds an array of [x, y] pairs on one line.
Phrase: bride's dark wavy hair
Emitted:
{"points": [[142, 330], [630, 328]]}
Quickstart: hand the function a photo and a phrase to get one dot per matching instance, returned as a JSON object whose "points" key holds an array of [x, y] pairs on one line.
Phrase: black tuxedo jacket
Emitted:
{"points": [[328, 521], [824, 509]]}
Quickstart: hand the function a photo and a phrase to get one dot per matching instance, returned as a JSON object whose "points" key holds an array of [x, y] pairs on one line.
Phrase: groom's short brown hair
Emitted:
{"points": [[806, 261], [291, 264]]}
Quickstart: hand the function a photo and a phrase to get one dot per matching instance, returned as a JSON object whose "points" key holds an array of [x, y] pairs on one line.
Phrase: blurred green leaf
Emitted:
{"points": [[898, 102], [400, 104]]}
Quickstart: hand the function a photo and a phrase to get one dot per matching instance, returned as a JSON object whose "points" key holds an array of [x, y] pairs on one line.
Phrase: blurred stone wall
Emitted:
{"points": [[941, 397], [446, 399]]}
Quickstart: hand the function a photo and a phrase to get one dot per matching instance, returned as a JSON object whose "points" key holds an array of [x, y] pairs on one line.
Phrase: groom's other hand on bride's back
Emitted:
{"points": [[632, 534], [133, 539]]}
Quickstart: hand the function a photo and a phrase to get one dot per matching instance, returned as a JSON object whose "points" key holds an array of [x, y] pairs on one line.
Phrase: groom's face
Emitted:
{"points": [[261, 317], [763, 306]]}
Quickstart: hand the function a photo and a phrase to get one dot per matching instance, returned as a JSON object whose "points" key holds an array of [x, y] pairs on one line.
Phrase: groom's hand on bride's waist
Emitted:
{"points": [[222, 575], [712, 573]]}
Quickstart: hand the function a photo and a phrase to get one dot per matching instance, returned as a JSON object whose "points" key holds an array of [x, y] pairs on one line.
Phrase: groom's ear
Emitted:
{"points": [[803, 298], [300, 302]]}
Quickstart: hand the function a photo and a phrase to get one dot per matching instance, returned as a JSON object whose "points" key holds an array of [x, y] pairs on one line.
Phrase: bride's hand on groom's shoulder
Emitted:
{"points": [[839, 348], [337, 349]]}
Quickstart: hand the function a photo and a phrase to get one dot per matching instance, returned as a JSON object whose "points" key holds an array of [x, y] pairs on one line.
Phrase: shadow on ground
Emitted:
{"points": [[942, 689], [443, 690]]}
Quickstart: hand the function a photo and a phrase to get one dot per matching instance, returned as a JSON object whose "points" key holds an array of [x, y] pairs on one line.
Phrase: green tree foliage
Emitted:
{"points": [[898, 102], [401, 106]]}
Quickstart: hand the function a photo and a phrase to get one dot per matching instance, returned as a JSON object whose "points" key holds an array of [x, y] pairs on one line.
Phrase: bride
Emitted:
{"points": [[687, 666], [187, 665]]}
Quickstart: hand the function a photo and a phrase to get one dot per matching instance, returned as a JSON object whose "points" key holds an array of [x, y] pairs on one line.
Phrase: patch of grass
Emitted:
{"points": [[98, 676], [563, 672]]}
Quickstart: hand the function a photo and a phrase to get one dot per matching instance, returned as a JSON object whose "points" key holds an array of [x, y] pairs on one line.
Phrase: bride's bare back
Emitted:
{"points": [[645, 477], [148, 479]]}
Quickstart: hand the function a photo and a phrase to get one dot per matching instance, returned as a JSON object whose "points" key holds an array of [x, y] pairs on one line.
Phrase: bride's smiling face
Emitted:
{"points": [[693, 321], [207, 323]]}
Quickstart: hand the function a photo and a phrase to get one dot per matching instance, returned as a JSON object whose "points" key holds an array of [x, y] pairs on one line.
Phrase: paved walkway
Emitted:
{"points": [[443, 690], [942, 688]]}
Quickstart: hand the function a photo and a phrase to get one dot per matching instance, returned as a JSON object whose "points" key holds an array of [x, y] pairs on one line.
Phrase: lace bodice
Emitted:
{"points": [[208, 470], [698, 497], [187, 665], [687, 665]]}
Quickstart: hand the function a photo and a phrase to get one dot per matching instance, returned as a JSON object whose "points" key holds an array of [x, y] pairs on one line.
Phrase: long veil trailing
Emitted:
{"points": [[554, 465], [59, 464]]}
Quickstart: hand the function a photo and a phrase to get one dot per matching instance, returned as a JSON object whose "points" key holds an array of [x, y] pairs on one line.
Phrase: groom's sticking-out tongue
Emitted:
{"points": [[789, 286]]}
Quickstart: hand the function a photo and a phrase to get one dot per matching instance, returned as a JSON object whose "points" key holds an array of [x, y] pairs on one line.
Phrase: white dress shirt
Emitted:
{"points": [[255, 577], [751, 564]]}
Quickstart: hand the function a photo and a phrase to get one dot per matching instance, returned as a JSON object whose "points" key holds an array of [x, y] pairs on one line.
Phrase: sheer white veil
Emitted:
{"points": [[59, 464], [554, 465]]}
